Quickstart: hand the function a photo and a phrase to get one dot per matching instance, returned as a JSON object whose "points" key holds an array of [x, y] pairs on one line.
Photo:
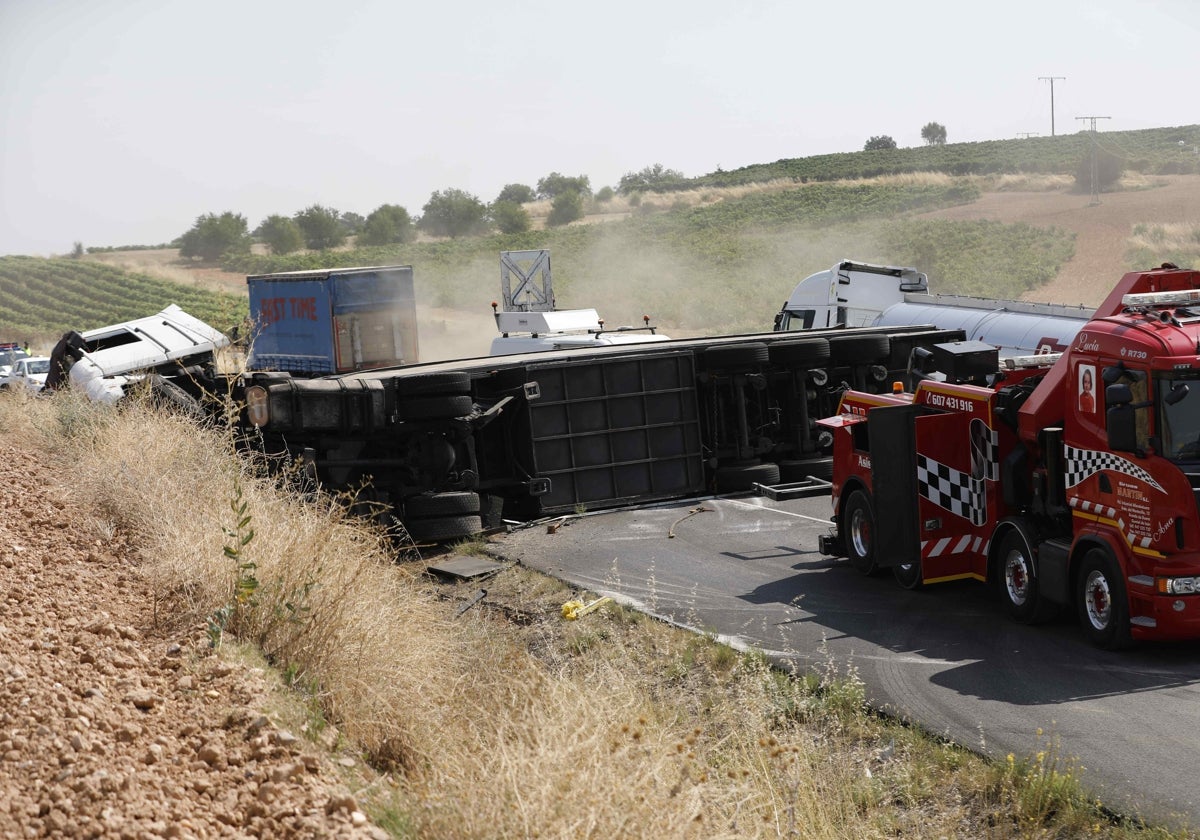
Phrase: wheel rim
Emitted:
{"points": [[1098, 600], [1016, 577], [860, 533]]}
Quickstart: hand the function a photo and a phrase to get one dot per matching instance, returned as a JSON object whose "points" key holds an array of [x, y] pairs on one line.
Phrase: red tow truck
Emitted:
{"points": [[1068, 480]]}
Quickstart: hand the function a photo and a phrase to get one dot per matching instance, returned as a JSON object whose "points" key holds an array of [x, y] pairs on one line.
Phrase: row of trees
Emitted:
{"points": [[451, 212]]}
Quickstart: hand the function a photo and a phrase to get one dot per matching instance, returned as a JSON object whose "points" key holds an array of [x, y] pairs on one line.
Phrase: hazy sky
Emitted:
{"points": [[124, 120]]}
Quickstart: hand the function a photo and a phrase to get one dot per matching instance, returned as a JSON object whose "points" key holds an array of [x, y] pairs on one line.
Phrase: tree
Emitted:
{"points": [[934, 134], [321, 227], [281, 234], [352, 222], [388, 224], [452, 213], [880, 142], [213, 236], [516, 194], [566, 208], [653, 177], [510, 217], [77, 251], [554, 185], [605, 194]]}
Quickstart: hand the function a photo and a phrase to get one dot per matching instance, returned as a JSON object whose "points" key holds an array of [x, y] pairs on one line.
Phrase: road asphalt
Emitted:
{"points": [[946, 657]]}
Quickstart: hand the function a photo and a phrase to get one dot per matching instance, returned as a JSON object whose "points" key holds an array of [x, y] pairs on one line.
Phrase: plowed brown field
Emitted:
{"points": [[1101, 230]]}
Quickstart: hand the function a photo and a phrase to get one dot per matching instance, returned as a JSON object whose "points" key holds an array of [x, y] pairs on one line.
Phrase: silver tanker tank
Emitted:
{"points": [[1016, 327]]}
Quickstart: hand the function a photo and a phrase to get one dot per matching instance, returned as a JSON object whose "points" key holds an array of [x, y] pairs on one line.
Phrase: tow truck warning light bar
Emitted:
{"points": [[1162, 298], [1036, 360]]}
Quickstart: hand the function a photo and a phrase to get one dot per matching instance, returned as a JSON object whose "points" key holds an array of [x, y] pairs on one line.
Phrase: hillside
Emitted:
{"points": [[454, 292], [1102, 231]]}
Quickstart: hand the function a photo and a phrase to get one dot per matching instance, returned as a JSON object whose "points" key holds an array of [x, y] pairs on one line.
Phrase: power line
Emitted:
{"points": [[1093, 121], [1095, 191], [1051, 79]]}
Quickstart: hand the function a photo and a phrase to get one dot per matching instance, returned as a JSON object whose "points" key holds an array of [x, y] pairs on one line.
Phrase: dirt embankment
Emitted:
{"points": [[112, 727]]}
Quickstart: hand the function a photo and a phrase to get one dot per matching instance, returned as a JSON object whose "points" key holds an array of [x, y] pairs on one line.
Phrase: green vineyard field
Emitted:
{"points": [[42, 298]]}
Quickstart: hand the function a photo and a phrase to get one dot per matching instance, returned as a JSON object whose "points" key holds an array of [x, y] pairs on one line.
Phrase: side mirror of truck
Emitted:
{"points": [[1122, 428], [1118, 395], [1120, 418]]}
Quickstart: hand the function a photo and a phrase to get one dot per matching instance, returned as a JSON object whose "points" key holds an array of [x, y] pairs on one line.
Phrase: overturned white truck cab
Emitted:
{"points": [[173, 347]]}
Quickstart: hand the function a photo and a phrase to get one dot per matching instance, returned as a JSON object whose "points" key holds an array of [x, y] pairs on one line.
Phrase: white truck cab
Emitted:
{"points": [[105, 361], [850, 294]]}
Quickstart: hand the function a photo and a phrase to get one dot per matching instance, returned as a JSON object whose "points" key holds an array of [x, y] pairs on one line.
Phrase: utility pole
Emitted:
{"points": [[1095, 191], [1051, 79]]}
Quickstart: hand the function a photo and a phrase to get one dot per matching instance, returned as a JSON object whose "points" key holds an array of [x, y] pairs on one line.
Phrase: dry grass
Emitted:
{"points": [[1182, 235], [508, 721]]}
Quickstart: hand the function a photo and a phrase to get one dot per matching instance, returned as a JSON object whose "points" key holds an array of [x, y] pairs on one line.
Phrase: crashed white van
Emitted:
{"points": [[173, 347]]}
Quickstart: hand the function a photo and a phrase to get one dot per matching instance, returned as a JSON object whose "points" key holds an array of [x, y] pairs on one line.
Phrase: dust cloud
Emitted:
{"points": [[454, 334], [623, 276]]}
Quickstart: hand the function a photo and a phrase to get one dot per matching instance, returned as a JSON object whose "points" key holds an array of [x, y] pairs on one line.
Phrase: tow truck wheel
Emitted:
{"points": [[1103, 608], [1018, 582], [858, 529]]}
